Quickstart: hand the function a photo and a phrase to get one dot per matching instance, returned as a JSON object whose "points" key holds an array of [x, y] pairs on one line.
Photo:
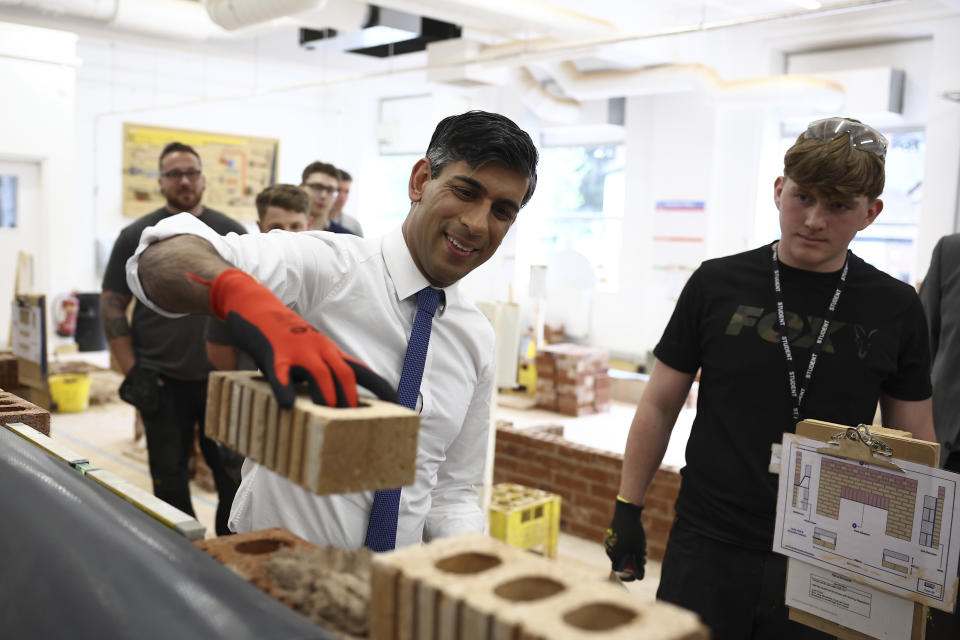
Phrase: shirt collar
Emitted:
{"points": [[407, 279]]}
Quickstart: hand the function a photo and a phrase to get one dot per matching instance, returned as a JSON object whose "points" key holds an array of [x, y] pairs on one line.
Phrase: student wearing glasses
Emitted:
{"points": [[163, 359], [853, 336], [321, 181]]}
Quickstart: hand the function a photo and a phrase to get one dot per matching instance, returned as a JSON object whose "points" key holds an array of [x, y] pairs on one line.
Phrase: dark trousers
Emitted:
{"points": [[169, 432], [738, 593], [940, 624]]}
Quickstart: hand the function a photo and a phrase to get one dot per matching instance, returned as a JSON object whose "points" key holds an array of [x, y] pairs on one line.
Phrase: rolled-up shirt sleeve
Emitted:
{"points": [[455, 499]]}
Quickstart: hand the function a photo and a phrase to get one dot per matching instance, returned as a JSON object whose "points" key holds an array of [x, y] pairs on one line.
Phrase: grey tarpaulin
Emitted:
{"points": [[77, 561]]}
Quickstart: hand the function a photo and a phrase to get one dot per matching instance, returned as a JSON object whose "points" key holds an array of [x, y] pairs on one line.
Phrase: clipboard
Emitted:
{"points": [[900, 445]]}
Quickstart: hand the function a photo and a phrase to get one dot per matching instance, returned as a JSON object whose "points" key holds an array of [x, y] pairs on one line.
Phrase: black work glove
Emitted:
{"points": [[139, 388], [626, 542]]}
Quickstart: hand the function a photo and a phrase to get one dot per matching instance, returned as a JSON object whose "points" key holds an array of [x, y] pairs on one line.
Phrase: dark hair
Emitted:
{"points": [[285, 196], [478, 137], [175, 147], [344, 175], [320, 167]]}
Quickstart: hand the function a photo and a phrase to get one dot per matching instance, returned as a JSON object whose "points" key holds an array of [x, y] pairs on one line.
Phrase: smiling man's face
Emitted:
{"points": [[460, 217]]}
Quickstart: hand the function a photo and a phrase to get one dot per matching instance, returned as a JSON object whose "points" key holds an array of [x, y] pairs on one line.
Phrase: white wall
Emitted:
{"points": [[37, 68]]}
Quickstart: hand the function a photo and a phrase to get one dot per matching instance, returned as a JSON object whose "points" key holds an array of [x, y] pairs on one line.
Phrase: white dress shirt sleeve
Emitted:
{"points": [[455, 499], [281, 261]]}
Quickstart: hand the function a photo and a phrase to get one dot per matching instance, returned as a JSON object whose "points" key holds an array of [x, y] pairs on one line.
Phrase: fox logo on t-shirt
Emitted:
{"points": [[802, 333]]}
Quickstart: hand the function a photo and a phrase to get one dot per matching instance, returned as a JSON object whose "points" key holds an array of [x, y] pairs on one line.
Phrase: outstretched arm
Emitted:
{"points": [[164, 266]]}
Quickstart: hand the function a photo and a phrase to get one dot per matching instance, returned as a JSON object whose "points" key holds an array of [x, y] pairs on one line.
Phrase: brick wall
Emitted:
{"points": [[586, 479]]}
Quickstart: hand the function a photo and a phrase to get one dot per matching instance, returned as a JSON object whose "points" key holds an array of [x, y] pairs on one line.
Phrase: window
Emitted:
{"points": [[890, 242], [8, 201], [578, 205]]}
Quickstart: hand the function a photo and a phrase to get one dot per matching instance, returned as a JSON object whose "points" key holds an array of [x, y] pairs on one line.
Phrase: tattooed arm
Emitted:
{"points": [[113, 317]]}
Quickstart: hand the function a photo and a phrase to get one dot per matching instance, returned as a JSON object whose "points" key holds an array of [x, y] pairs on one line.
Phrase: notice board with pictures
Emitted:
{"points": [[236, 168]]}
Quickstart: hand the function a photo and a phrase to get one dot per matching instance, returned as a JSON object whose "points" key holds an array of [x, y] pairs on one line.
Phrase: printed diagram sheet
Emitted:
{"points": [[899, 532]]}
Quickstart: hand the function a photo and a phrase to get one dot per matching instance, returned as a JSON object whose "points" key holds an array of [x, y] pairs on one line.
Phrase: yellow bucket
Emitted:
{"points": [[70, 392]]}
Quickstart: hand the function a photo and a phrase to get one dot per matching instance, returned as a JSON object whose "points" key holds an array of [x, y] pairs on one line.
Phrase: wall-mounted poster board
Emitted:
{"points": [[236, 168]]}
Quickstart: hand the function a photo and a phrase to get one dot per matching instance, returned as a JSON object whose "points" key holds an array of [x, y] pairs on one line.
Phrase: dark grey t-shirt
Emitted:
{"points": [[173, 347], [217, 333]]}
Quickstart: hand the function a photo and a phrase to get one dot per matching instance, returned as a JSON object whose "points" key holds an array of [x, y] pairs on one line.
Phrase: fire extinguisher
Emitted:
{"points": [[66, 308]]}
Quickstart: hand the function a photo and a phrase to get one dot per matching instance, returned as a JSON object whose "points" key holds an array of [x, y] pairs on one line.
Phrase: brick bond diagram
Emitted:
{"points": [[894, 493]]}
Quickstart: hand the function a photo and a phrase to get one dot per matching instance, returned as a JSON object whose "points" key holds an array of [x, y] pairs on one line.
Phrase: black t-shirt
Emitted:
{"points": [[172, 346], [725, 324]]}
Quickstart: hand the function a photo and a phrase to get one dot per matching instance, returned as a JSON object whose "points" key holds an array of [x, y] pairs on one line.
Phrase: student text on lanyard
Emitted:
{"points": [[782, 325]]}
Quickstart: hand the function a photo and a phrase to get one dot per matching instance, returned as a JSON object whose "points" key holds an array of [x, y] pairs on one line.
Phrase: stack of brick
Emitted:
{"points": [[572, 379], [471, 586], [586, 480], [16, 409]]}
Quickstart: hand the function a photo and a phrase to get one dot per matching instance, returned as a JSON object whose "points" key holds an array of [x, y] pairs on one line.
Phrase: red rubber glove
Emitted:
{"points": [[285, 347]]}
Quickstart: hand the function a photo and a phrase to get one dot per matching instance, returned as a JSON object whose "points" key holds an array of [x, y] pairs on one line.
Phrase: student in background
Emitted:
{"points": [[163, 358], [321, 181], [281, 206], [337, 215]]}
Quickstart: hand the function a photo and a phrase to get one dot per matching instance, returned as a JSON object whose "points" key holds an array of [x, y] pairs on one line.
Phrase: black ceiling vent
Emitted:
{"points": [[386, 33]]}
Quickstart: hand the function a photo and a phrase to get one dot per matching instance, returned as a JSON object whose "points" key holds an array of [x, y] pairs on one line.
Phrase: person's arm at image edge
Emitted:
{"points": [[915, 416]]}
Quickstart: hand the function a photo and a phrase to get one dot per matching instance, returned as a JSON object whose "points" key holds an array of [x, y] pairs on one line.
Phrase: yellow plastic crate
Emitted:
{"points": [[525, 518]]}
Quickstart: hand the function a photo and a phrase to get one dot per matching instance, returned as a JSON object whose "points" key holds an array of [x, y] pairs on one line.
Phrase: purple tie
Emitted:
{"points": [[382, 528]]}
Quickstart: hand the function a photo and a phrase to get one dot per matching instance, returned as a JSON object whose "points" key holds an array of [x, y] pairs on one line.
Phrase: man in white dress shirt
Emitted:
{"points": [[361, 295]]}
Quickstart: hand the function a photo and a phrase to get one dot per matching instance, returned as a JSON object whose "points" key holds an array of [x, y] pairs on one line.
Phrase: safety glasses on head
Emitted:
{"points": [[862, 137]]}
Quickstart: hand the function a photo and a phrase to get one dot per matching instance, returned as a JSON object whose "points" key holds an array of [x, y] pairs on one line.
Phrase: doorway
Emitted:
{"points": [[19, 231]]}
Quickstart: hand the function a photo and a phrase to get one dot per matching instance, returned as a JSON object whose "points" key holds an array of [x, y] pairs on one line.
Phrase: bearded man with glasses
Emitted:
{"points": [[164, 359], [798, 328]]}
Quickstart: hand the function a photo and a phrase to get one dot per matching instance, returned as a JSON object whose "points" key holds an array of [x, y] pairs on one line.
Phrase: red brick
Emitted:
{"points": [[605, 491], [571, 483], [599, 475], [595, 504]]}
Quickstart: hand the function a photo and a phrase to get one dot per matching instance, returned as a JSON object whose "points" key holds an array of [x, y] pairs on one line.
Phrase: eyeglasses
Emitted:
{"points": [[862, 137], [189, 174], [316, 186]]}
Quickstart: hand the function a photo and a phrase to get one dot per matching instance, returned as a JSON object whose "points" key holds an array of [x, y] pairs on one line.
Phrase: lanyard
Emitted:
{"points": [[782, 326]]}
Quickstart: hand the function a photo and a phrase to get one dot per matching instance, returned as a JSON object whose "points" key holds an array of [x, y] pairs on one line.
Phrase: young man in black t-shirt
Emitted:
{"points": [[866, 335]]}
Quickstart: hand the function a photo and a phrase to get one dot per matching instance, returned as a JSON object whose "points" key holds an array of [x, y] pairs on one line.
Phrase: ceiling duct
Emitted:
{"points": [[334, 14], [384, 33], [815, 92]]}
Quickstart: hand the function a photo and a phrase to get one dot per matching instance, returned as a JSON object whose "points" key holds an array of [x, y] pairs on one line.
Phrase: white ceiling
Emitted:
{"points": [[594, 34]]}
